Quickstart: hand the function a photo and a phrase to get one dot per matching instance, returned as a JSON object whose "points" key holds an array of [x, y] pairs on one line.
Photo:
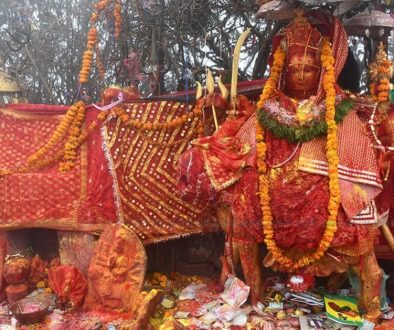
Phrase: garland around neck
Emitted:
{"points": [[283, 125]]}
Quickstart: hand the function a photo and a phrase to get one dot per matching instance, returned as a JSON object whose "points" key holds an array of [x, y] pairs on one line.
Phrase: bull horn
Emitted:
{"points": [[198, 91], [210, 89], [223, 89], [234, 78], [210, 82]]}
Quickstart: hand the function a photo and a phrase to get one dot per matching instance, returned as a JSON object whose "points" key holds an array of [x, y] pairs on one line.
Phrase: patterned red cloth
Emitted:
{"points": [[99, 205], [143, 175], [360, 180], [144, 166], [81, 199], [224, 154], [299, 205]]}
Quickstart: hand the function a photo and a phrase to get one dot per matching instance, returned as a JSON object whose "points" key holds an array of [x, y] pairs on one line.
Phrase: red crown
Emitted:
{"points": [[302, 38]]}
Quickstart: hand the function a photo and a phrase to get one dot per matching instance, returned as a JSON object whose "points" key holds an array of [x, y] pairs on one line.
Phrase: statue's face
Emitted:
{"points": [[302, 75]]}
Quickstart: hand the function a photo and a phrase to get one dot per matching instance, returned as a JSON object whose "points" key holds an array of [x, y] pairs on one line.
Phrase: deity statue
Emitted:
{"points": [[116, 271], [302, 172]]}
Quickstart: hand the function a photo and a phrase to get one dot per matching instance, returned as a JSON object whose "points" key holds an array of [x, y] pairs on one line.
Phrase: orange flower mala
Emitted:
{"points": [[383, 90], [380, 72], [120, 112], [61, 130], [328, 62], [99, 64], [87, 58], [71, 145], [92, 41], [118, 19]]}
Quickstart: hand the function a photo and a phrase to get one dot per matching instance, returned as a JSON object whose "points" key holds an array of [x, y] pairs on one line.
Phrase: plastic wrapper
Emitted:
{"points": [[235, 292], [190, 291], [226, 312]]}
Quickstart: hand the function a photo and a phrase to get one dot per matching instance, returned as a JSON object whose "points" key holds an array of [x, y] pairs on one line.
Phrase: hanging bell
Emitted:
{"points": [[381, 32], [367, 33]]}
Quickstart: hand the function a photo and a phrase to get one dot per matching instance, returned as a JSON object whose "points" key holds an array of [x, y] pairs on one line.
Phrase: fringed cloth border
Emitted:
{"points": [[57, 224], [111, 167], [356, 155], [358, 169], [218, 182], [369, 215], [345, 173]]}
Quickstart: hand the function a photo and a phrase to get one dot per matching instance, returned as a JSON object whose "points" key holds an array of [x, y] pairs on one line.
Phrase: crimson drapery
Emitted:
{"points": [[139, 190], [144, 167], [81, 199], [68, 283]]}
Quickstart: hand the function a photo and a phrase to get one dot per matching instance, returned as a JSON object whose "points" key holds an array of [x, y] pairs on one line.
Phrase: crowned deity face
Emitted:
{"points": [[302, 76]]}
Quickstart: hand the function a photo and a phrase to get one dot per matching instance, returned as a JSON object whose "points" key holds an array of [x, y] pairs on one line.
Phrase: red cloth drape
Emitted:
{"points": [[68, 283], [80, 199]]}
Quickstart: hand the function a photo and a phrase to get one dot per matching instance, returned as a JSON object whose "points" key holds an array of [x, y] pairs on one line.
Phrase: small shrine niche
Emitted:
{"points": [[30, 252], [194, 255], [32, 241]]}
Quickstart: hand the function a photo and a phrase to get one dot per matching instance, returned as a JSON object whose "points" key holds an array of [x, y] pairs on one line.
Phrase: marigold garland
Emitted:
{"points": [[92, 38], [37, 159], [71, 144], [54, 150], [328, 62], [99, 64], [118, 19], [380, 72], [101, 5], [92, 42], [383, 90], [87, 60], [120, 112]]}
